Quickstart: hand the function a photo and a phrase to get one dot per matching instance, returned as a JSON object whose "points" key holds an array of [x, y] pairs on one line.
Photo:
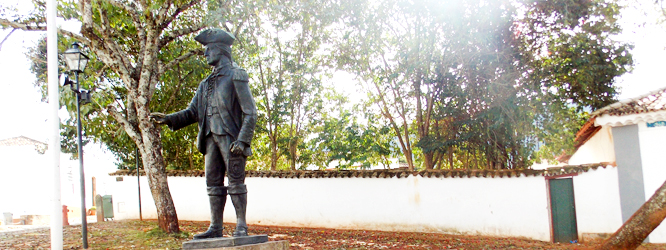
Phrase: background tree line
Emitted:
{"points": [[450, 84]]}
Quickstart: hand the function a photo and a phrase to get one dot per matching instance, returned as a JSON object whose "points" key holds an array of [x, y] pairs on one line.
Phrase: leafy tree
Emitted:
{"points": [[474, 83], [179, 151], [132, 73], [342, 138], [283, 50]]}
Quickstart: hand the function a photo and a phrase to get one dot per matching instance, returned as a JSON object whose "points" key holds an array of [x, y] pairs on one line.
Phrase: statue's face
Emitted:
{"points": [[213, 55]]}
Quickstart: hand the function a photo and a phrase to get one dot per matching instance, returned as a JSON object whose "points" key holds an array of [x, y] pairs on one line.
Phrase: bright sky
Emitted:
{"points": [[24, 114], [649, 52]]}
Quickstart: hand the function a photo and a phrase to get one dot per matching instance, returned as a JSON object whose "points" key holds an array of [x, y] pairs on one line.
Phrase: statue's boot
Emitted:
{"points": [[240, 204], [216, 210]]}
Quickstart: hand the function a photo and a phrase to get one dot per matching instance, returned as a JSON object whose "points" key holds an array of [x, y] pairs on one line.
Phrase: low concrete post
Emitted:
{"points": [[65, 219], [99, 208]]}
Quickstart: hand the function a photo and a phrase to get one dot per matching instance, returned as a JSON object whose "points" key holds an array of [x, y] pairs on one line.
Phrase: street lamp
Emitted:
{"points": [[76, 62]]}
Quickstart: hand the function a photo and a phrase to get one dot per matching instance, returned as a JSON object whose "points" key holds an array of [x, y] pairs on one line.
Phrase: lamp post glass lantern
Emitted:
{"points": [[76, 62]]}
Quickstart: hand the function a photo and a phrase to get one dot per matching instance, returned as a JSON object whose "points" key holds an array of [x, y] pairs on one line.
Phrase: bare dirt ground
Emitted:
{"points": [[131, 234]]}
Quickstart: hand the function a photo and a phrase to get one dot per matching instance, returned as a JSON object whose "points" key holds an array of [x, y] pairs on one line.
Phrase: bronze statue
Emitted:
{"points": [[225, 110]]}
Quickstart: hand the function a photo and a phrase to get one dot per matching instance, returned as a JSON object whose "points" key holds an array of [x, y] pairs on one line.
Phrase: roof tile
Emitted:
{"points": [[653, 101], [390, 173]]}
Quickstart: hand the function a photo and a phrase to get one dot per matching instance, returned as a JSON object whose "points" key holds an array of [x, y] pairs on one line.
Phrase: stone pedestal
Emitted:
{"points": [[99, 208], [270, 245], [252, 242]]}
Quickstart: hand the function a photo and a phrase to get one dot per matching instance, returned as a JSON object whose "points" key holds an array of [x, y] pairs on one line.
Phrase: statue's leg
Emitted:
{"points": [[238, 193], [235, 170], [217, 192], [217, 196]]}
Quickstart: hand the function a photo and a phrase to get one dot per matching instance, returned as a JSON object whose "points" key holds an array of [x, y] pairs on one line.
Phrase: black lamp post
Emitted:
{"points": [[76, 62]]}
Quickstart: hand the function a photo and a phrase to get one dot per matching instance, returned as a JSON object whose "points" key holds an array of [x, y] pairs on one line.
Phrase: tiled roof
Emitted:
{"points": [[650, 102], [585, 133], [21, 141], [390, 173]]}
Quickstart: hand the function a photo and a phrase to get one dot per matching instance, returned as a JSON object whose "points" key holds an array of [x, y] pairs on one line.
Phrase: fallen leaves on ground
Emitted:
{"points": [[132, 234]]}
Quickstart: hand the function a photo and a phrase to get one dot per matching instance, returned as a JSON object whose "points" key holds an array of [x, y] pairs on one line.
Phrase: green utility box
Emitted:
{"points": [[107, 205]]}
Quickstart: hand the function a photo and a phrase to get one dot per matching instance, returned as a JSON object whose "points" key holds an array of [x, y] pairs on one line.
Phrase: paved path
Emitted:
{"points": [[20, 229]]}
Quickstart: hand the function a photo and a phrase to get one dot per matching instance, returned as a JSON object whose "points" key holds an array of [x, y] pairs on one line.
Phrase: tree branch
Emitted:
{"points": [[7, 36], [178, 33], [163, 67], [164, 22], [177, 89], [131, 10], [161, 14], [110, 35], [131, 131], [144, 4], [38, 27], [22, 26], [88, 30]]}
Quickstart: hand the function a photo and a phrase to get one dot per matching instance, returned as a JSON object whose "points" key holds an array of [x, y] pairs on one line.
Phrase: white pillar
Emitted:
{"points": [[54, 142]]}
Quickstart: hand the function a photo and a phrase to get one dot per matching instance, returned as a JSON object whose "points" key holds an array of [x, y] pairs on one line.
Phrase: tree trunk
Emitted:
{"points": [[155, 169], [641, 224], [274, 153], [428, 160], [450, 152], [293, 146], [408, 158]]}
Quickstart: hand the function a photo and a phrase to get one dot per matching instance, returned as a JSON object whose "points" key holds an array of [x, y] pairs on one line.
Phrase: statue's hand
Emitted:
{"points": [[159, 118], [238, 147]]}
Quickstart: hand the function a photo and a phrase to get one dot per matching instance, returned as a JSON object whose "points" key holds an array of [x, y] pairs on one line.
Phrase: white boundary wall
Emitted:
{"points": [[597, 198], [470, 205], [653, 160]]}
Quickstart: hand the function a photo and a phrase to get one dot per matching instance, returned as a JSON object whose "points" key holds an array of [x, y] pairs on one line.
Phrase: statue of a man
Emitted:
{"points": [[225, 110]]}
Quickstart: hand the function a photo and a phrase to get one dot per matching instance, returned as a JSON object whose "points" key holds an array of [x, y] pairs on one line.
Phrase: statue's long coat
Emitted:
{"points": [[232, 105]]}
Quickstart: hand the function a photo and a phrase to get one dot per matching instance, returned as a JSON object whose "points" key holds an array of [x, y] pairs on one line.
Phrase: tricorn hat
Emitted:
{"points": [[215, 35]]}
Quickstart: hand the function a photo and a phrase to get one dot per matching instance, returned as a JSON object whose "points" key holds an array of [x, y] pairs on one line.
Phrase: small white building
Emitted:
{"points": [[22, 178], [631, 135], [26, 179]]}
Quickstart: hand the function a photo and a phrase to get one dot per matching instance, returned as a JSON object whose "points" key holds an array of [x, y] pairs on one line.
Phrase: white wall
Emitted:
{"points": [[599, 148], [597, 199], [653, 158], [26, 179], [484, 206], [487, 206]]}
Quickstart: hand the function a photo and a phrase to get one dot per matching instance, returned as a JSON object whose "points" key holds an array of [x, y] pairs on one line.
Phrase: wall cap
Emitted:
{"points": [[398, 173]]}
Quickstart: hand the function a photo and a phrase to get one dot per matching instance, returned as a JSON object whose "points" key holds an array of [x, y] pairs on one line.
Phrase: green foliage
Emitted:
{"points": [[342, 139], [282, 48], [451, 84], [478, 84], [176, 89], [173, 93]]}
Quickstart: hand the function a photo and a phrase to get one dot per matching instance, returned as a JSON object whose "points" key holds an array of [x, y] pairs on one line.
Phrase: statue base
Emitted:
{"points": [[245, 243]]}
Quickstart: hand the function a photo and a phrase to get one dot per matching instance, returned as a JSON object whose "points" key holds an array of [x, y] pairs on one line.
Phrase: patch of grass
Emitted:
{"points": [[159, 233], [133, 235]]}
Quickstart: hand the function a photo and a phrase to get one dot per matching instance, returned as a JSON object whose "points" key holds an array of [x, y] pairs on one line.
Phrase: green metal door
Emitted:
{"points": [[107, 204], [563, 210]]}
